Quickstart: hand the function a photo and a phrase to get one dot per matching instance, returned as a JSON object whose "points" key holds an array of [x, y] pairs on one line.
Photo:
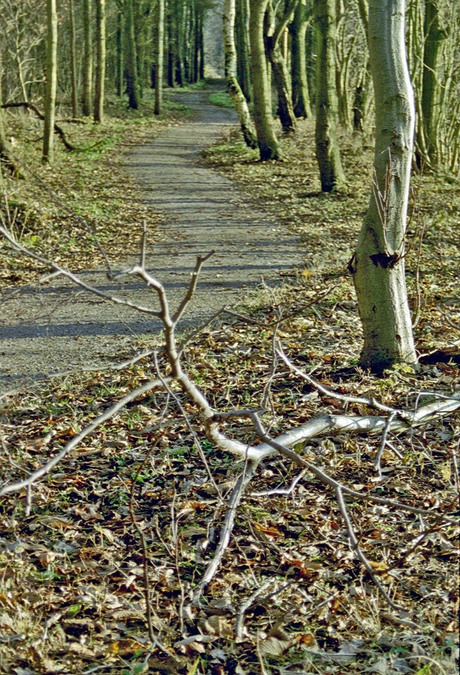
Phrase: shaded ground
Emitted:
{"points": [[57, 327]]}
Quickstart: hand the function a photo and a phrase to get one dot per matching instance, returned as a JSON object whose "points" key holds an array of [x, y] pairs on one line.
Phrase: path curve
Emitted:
{"points": [[57, 328]]}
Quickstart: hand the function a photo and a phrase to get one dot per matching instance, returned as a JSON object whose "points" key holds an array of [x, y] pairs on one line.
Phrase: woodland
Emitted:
{"points": [[275, 491]]}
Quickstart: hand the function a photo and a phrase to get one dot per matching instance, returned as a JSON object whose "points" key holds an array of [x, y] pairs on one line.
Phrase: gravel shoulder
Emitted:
{"points": [[58, 327]]}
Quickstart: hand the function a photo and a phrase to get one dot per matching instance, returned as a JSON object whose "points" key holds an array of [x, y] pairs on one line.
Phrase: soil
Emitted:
{"points": [[57, 327]]}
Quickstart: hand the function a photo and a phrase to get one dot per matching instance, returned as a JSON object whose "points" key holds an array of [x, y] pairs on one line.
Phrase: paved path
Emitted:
{"points": [[57, 328]]}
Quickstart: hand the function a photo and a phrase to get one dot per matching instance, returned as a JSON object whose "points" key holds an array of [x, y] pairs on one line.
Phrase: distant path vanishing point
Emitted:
{"points": [[59, 328]]}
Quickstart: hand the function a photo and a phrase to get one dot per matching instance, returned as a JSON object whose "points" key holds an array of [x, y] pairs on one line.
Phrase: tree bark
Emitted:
{"points": [[263, 120], [87, 58], [159, 53], [242, 47], [327, 147], [378, 263], [51, 81], [433, 38], [300, 94], [73, 59], [131, 72], [231, 80], [100, 61]]}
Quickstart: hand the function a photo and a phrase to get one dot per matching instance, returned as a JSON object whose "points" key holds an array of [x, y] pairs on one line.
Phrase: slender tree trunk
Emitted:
{"points": [[131, 72], [51, 81], [6, 159], [73, 59], [274, 50], [378, 263], [433, 38], [300, 95], [327, 147], [159, 56], [87, 94], [232, 83], [242, 47], [120, 53], [100, 61], [263, 119]]}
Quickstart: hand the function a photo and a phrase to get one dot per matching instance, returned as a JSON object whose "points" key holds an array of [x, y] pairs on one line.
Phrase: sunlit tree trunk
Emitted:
{"points": [[232, 83], [87, 59], [73, 59], [274, 50], [378, 263], [300, 94], [243, 70], [100, 61], [433, 38], [51, 81], [327, 147], [159, 53], [263, 119]]}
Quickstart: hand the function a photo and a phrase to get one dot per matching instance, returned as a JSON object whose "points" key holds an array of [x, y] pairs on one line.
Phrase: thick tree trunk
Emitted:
{"points": [[100, 61], [159, 52], [51, 81], [263, 119], [300, 94], [232, 83], [87, 59], [378, 263], [327, 147]]}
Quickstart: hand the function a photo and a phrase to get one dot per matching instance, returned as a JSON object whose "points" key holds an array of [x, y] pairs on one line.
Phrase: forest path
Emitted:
{"points": [[62, 328]]}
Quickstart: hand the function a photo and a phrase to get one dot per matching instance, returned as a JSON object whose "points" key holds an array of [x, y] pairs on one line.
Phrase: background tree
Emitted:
{"points": [[99, 80], [327, 146], [51, 81], [131, 71], [263, 119], [159, 53], [300, 93], [87, 87], [231, 80], [378, 263]]}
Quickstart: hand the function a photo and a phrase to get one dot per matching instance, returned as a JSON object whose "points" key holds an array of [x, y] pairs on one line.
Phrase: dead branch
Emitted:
{"points": [[59, 130]]}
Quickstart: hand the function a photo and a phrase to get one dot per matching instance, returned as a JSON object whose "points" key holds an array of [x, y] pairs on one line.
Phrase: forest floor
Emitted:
{"points": [[122, 531]]}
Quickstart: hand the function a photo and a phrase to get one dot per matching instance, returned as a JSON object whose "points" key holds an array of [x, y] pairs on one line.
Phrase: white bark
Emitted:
{"points": [[378, 264], [233, 86]]}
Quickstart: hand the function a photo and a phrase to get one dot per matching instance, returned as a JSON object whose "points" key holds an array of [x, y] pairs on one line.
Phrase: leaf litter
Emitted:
{"points": [[290, 595]]}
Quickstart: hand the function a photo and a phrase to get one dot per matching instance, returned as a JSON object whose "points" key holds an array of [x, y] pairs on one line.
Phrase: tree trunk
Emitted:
{"points": [[100, 61], [280, 72], [120, 53], [243, 70], [327, 148], [131, 73], [159, 56], [87, 59], [263, 120], [6, 159], [300, 95], [73, 59], [433, 38], [232, 83], [378, 263], [51, 81]]}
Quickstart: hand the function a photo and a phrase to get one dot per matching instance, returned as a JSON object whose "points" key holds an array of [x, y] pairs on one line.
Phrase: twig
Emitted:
{"points": [[145, 558], [226, 530], [239, 623], [76, 440], [383, 444]]}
